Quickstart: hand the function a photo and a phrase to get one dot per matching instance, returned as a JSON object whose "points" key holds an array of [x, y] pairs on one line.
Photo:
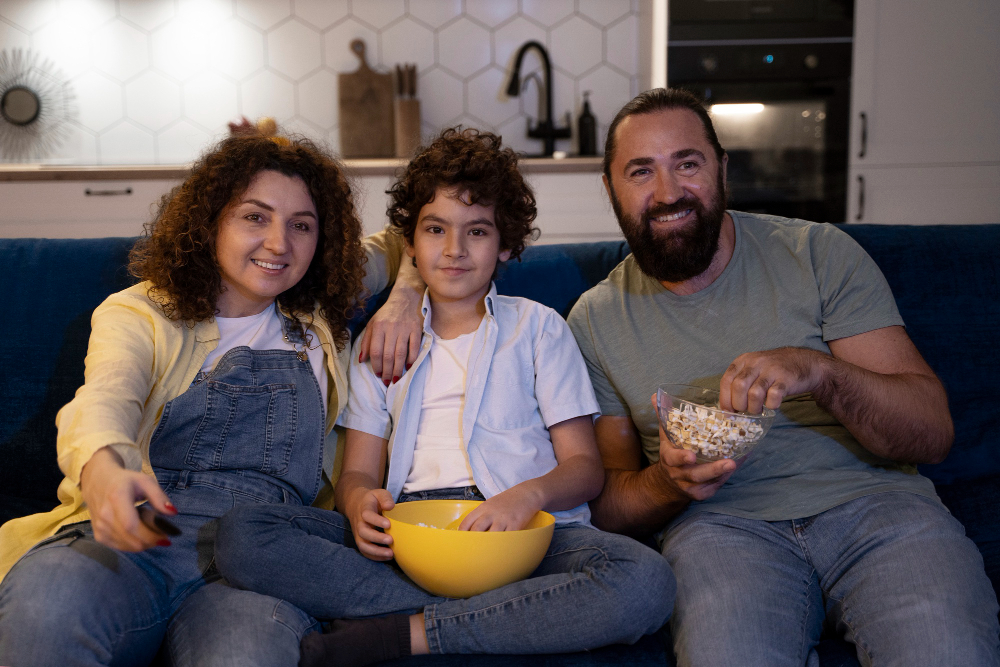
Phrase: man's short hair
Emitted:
{"points": [[660, 99], [473, 163]]}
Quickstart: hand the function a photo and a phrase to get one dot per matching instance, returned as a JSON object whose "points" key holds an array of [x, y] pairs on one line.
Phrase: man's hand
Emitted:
{"points": [[681, 472], [762, 379], [510, 510], [392, 337], [111, 492], [366, 519]]}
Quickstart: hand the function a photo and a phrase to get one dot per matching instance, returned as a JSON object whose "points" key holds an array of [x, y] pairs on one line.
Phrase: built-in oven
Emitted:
{"points": [[776, 75]]}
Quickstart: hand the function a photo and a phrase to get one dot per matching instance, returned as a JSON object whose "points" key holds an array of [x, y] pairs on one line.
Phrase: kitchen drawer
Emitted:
{"points": [[78, 209], [924, 195]]}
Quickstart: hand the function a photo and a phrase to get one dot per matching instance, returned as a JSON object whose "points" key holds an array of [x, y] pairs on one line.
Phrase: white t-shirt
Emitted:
{"points": [[439, 457], [262, 332]]}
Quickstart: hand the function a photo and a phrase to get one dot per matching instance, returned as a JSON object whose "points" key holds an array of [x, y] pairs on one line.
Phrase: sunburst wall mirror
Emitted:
{"points": [[36, 107]]}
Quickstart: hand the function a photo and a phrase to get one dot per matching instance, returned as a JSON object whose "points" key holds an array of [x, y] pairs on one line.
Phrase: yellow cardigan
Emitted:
{"points": [[138, 361]]}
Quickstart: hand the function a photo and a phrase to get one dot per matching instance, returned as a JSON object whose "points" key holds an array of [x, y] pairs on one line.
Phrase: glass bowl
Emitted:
{"points": [[692, 419]]}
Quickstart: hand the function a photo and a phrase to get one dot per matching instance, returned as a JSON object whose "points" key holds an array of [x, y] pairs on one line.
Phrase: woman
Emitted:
{"points": [[221, 374]]}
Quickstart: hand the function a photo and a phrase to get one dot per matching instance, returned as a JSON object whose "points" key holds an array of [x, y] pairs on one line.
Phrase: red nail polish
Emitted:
{"points": [[163, 543], [395, 379], [170, 507], [386, 382]]}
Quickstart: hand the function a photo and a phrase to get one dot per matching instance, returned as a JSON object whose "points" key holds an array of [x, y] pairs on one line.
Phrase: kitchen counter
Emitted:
{"points": [[388, 167], [83, 201]]}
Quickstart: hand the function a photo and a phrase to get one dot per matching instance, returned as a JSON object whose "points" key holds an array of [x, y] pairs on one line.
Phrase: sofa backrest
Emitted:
{"points": [[946, 280], [50, 289]]}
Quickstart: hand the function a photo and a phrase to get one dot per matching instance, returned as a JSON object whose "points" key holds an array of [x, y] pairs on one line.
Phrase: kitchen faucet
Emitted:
{"points": [[545, 129]]}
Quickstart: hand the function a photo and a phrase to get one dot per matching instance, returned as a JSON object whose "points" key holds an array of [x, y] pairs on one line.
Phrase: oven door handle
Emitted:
{"points": [[864, 134], [861, 198]]}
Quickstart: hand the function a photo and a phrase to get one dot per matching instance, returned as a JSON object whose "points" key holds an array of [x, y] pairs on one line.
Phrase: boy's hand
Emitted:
{"points": [[366, 520], [509, 510]]}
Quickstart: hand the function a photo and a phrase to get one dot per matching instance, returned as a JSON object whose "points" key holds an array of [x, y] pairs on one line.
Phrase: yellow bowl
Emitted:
{"points": [[460, 563]]}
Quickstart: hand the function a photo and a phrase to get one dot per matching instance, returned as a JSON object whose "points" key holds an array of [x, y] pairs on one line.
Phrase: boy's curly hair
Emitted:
{"points": [[177, 252], [472, 162]]}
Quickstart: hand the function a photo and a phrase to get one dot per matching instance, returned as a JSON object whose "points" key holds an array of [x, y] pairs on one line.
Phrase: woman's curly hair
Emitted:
{"points": [[177, 252], [472, 162]]}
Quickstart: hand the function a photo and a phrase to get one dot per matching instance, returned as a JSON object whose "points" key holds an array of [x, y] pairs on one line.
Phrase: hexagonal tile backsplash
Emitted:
{"points": [[156, 80]]}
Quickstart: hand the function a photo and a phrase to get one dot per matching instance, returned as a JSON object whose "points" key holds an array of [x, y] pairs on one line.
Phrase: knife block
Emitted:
{"points": [[407, 117]]}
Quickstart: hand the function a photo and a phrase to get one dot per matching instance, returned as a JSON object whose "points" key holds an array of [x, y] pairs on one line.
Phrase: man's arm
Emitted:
{"points": [[876, 384], [639, 501]]}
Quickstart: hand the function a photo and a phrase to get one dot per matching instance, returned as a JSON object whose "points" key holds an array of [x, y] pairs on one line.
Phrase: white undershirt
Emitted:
{"points": [[263, 332], [440, 460]]}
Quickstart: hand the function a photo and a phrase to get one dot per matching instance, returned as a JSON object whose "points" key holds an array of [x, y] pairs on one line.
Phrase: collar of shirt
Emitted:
{"points": [[425, 308]]}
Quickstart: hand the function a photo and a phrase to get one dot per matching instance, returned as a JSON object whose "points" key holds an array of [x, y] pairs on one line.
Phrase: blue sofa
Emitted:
{"points": [[946, 280]]}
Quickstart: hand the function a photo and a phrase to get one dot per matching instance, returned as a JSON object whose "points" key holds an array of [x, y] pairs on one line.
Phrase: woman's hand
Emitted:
{"points": [[509, 510], [111, 492], [366, 519], [392, 337]]}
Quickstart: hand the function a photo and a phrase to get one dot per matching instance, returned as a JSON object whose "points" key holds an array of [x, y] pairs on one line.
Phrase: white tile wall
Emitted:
{"points": [[154, 81]]}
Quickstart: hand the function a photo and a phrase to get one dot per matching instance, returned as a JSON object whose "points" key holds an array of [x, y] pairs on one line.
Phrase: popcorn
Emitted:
{"points": [[711, 434]]}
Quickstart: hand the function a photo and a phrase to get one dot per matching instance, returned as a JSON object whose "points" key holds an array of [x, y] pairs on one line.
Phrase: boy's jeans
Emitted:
{"points": [[592, 588], [892, 572]]}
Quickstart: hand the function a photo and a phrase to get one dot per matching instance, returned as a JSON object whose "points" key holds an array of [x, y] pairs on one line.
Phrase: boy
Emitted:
{"points": [[497, 407]]}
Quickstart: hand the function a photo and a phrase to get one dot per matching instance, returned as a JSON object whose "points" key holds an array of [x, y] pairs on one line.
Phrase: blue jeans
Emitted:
{"points": [[892, 572], [225, 441], [591, 589], [73, 601]]}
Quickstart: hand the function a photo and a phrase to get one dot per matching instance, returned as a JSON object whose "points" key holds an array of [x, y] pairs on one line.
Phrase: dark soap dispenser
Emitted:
{"points": [[586, 126]]}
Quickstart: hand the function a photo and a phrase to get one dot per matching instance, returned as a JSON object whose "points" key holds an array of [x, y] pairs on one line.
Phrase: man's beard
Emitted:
{"points": [[681, 254]]}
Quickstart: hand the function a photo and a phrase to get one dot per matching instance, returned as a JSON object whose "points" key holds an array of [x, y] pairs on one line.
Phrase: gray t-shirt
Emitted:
{"points": [[789, 283]]}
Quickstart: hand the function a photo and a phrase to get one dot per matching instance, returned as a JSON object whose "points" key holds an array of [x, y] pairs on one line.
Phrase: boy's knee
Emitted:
{"points": [[646, 592], [655, 598], [237, 541]]}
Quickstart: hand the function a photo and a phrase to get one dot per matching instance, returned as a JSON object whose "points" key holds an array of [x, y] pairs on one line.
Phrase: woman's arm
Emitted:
{"points": [[98, 429], [392, 338]]}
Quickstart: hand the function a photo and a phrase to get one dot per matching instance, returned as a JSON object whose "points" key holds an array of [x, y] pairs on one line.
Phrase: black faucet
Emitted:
{"points": [[545, 130]]}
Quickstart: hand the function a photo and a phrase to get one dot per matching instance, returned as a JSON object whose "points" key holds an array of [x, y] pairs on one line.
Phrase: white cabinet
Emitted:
{"points": [[78, 209], [925, 128], [572, 205]]}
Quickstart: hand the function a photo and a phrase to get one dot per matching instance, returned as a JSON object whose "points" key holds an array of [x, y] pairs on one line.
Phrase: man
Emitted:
{"points": [[826, 521]]}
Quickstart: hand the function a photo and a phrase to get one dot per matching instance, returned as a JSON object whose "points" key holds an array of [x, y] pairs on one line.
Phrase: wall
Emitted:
{"points": [[157, 80]]}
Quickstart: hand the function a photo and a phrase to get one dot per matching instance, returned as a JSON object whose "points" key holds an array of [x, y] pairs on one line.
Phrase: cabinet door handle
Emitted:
{"points": [[107, 193], [861, 198], [864, 134]]}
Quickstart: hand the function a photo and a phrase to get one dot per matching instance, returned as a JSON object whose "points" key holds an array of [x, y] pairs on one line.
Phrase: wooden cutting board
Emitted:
{"points": [[365, 101]]}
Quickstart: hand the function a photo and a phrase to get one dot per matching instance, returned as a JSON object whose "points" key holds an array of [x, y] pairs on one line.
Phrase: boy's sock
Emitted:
{"points": [[357, 643]]}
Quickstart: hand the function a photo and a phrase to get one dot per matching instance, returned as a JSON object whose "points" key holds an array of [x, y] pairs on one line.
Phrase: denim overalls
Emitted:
{"points": [[250, 431]]}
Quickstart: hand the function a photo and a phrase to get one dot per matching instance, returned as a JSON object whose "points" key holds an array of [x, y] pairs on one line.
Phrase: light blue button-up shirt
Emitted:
{"points": [[525, 373]]}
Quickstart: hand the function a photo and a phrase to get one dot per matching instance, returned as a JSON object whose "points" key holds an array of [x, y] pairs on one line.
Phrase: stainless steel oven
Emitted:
{"points": [[778, 84]]}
